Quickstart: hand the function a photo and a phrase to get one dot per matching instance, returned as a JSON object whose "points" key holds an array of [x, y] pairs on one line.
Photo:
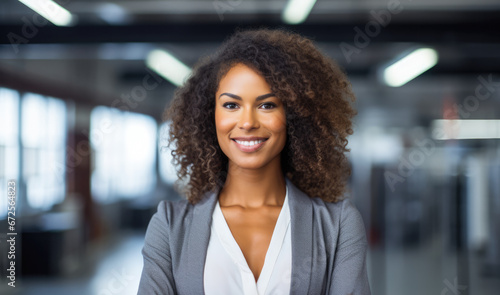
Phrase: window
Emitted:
{"points": [[43, 137], [124, 157], [9, 142]]}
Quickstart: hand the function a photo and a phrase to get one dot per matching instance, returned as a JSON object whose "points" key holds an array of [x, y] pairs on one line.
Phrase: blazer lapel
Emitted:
{"points": [[301, 215], [301, 225], [199, 236]]}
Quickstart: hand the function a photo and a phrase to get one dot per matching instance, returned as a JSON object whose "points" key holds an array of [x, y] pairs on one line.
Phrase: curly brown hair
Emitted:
{"points": [[318, 103]]}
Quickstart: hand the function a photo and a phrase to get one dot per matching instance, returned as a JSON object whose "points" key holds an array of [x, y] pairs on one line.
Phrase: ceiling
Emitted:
{"points": [[101, 57]]}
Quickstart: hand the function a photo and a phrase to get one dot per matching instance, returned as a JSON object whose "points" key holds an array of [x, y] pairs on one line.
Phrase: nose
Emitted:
{"points": [[248, 119]]}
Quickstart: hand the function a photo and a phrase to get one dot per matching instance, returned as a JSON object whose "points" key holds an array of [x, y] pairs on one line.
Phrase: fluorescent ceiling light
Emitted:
{"points": [[50, 10], [168, 66], [410, 66], [296, 11], [113, 13], [465, 129]]}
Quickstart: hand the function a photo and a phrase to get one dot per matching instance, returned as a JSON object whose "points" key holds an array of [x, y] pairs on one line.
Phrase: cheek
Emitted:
{"points": [[223, 123], [277, 124]]}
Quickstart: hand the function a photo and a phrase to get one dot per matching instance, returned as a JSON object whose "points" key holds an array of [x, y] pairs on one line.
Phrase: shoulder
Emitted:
{"points": [[170, 207], [343, 208], [171, 211], [342, 215]]}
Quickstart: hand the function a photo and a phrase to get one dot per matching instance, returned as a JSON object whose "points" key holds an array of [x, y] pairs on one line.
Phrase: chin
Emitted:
{"points": [[248, 164]]}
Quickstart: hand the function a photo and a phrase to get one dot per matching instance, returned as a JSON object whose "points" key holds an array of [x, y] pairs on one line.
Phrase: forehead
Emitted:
{"points": [[242, 76]]}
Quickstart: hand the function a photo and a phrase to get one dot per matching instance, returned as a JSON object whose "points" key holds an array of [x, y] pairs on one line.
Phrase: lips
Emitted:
{"points": [[249, 138]]}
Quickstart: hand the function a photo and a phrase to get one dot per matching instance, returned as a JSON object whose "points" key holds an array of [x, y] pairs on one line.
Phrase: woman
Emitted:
{"points": [[260, 130]]}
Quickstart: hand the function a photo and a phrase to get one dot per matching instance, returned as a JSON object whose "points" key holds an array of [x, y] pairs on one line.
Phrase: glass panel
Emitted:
{"points": [[125, 156], [139, 147], [44, 144], [34, 120], [9, 142], [9, 116]]}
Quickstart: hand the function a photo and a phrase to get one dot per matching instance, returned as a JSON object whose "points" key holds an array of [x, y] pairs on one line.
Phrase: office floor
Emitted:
{"points": [[116, 267]]}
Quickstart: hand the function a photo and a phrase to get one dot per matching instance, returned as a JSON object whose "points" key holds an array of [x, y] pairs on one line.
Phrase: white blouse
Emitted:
{"points": [[226, 270]]}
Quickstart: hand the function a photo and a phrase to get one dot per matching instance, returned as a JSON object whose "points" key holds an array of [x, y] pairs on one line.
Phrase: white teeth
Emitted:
{"points": [[249, 143]]}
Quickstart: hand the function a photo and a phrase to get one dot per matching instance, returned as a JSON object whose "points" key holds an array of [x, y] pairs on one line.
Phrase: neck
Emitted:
{"points": [[254, 188]]}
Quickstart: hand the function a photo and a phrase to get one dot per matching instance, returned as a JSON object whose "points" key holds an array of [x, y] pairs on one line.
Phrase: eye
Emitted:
{"points": [[270, 105], [229, 104]]}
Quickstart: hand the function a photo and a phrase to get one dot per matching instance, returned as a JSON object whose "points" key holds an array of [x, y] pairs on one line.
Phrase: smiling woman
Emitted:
{"points": [[260, 130]]}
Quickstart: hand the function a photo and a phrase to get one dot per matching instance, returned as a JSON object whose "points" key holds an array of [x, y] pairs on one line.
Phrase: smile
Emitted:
{"points": [[249, 146]]}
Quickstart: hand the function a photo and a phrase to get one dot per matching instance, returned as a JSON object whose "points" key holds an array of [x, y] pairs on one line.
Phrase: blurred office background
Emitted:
{"points": [[81, 99]]}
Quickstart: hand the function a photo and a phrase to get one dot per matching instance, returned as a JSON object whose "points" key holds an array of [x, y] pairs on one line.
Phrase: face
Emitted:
{"points": [[250, 120]]}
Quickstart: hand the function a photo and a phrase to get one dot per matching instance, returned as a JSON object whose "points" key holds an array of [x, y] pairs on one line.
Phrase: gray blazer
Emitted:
{"points": [[328, 246]]}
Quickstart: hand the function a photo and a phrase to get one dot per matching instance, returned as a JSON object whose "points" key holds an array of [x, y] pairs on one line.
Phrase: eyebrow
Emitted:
{"points": [[260, 97]]}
